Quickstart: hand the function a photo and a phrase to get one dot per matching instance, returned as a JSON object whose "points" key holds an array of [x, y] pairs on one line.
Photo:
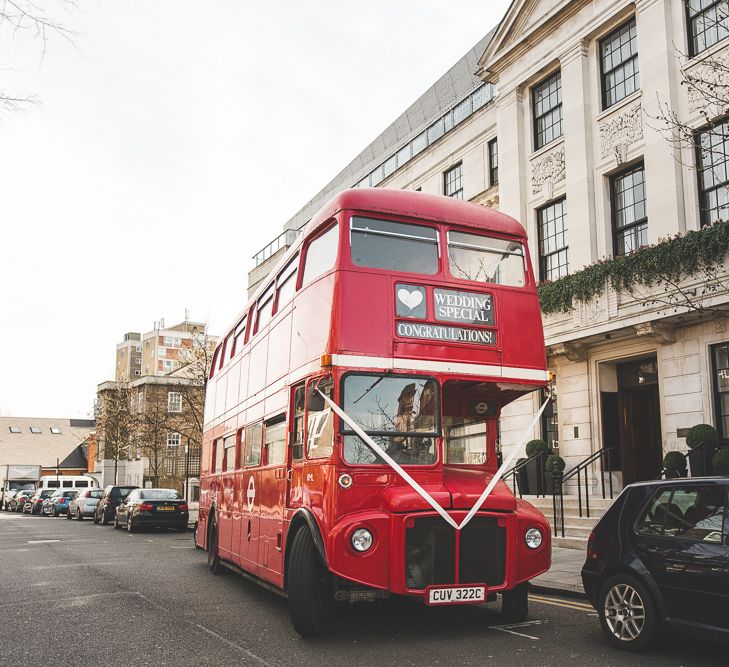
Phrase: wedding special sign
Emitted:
{"points": [[450, 306]]}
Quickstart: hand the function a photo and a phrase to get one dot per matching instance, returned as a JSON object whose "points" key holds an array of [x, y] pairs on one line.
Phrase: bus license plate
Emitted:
{"points": [[455, 595]]}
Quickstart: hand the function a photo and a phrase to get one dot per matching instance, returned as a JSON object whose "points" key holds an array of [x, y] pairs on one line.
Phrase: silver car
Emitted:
{"points": [[84, 503]]}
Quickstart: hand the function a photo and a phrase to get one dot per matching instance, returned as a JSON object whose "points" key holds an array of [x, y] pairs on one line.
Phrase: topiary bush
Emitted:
{"points": [[536, 447], [554, 464], [674, 463], [721, 462], [702, 433]]}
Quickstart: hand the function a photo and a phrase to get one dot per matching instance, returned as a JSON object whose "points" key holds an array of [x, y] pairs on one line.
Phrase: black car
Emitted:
{"points": [[34, 504], [159, 508], [106, 508], [659, 559]]}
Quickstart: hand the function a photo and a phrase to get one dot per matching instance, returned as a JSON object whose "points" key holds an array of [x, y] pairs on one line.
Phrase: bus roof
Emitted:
{"points": [[406, 203], [409, 203]]}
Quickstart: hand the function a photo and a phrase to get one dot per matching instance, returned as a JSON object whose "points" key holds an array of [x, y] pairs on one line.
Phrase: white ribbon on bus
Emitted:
{"points": [[419, 489]]}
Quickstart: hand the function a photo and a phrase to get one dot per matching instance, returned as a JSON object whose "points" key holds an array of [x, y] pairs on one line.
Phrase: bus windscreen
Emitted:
{"points": [[380, 244], [401, 415]]}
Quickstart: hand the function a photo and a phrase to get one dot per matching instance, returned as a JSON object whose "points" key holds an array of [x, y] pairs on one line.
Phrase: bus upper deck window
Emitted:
{"points": [[486, 260], [380, 244], [321, 255]]}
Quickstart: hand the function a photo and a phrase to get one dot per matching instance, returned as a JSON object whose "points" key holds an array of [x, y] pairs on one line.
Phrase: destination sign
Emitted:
{"points": [[450, 334], [465, 307]]}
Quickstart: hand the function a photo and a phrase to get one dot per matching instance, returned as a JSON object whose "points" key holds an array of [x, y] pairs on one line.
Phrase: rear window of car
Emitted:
{"points": [[160, 494], [70, 494], [95, 494], [121, 491], [693, 513]]}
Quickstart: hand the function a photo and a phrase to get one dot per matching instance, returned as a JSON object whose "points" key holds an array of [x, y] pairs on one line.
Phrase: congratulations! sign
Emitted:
{"points": [[439, 332], [466, 307]]}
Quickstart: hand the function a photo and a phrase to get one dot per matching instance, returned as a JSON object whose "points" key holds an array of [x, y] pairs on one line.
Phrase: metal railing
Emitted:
{"points": [[580, 471], [522, 467], [284, 240]]}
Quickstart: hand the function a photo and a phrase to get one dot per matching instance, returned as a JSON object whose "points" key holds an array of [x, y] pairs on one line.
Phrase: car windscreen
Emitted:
{"points": [[486, 260], [398, 246], [160, 494], [21, 486]]}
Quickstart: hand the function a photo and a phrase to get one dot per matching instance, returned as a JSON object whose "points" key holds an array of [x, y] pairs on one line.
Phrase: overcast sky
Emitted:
{"points": [[172, 141]]}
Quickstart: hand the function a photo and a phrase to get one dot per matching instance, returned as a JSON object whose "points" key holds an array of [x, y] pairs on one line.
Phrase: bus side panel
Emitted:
{"points": [[279, 347], [312, 321], [363, 328], [225, 512]]}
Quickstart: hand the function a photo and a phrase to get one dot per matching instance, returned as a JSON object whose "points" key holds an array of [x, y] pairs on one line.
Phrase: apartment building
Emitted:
{"points": [[129, 357], [554, 118]]}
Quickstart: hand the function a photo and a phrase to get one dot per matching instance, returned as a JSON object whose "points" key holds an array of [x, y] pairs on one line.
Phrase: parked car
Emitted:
{"points": [[34, 504], [105, 510], [7, 497], [160, 508], [84, 504], [17, 502], [659, 560], [58, 502]]}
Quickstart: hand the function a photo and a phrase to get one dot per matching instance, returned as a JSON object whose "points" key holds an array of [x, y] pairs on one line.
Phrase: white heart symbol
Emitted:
{"points": [[410, 299]]}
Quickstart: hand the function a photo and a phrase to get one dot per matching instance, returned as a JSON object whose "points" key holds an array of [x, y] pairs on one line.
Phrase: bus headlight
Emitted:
{"points": [[362, 540], [533, 538]]}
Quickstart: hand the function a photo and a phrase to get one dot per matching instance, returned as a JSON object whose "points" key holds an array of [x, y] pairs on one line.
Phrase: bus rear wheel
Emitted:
{"points": [[310, 603], [515, 604], [213, 557]]}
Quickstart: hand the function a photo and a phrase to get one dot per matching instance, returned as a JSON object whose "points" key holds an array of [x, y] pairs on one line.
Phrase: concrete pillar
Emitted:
{"points": [[512, 160], [663, 176], [577, 115]]}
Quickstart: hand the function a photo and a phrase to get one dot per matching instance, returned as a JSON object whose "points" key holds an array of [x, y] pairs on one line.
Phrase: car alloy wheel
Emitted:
{"points": [[624, 612]]}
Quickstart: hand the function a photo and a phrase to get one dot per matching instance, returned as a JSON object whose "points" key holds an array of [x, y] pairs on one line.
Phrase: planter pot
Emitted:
{"points": [[700, 461], [536, 477], [554, 482]]}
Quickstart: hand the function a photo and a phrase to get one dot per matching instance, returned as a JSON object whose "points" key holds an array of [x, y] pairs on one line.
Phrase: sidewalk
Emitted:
{"points": [[564, 575]]}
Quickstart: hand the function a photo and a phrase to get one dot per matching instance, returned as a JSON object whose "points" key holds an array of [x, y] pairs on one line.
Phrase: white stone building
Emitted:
{"points": [[553, 119]]}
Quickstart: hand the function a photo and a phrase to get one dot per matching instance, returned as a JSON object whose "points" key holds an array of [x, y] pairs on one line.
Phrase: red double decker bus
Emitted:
{"points": [[351, 412]]}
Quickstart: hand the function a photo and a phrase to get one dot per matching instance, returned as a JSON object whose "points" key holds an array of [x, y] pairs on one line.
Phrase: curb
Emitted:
{"points": [[555, 590]]}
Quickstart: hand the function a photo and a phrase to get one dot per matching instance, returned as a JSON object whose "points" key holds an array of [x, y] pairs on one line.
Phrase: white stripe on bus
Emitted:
{"points": [[402, 363]]}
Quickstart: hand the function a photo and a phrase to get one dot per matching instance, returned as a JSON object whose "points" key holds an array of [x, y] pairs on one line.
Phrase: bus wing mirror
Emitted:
{"points": [[314, 400]]}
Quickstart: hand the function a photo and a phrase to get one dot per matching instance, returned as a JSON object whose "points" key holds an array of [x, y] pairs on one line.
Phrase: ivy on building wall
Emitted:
{"points": [[664, 264]]}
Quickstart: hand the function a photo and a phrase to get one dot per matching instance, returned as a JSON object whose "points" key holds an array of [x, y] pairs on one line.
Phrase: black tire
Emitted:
{"points": [[213, 555], [104, 520], [68, 515], [130, 525], [96, 517], [79, 516], [627, 613], [116, 523], [310, 601], [515, 604]]}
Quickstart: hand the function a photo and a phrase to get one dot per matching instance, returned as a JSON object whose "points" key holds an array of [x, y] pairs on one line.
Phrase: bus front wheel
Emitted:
{"points": [[310, 603], [515, 603]]}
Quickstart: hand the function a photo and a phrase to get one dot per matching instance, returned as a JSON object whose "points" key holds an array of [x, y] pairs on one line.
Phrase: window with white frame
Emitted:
{"points": [[708, 23], [619, 64], [174, 401], [173, 440], [453, 182], [547, 110]]}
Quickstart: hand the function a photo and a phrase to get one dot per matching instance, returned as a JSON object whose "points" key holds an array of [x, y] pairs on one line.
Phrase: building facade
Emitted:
{"points": [[558, 117]]}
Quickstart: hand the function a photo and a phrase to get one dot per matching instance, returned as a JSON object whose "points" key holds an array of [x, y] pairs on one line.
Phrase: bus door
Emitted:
{"points": [[250, 498], [294, 493], [239, 501], [226, 496], [272, 491]]}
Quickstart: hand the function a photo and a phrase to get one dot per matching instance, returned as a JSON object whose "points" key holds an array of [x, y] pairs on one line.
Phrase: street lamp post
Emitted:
{"points": [[187, 468]]}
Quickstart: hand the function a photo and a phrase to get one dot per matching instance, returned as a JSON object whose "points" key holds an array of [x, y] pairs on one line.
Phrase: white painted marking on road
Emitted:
{"points": [[208, 631], [192, 547], [510, 628], [41, 541]]}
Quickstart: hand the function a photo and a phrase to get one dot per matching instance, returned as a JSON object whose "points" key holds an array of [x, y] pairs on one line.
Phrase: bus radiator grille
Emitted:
{"points": [[430, 553], [430, 548], [483, 552]]}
